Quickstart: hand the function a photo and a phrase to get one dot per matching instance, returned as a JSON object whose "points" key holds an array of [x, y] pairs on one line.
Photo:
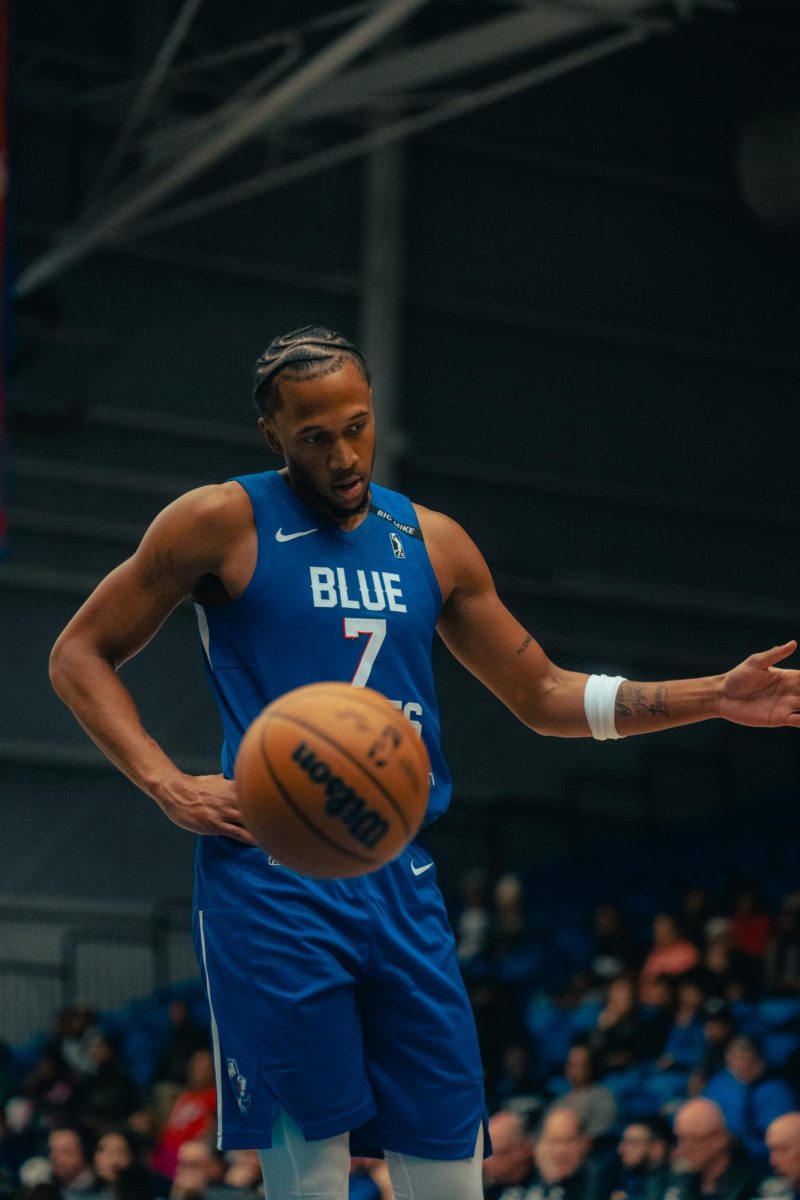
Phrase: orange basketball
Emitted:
{"points": [[332, 780]]}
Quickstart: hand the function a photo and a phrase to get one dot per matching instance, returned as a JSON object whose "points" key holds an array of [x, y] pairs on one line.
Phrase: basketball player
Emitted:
{"points": [[339, 1018]]}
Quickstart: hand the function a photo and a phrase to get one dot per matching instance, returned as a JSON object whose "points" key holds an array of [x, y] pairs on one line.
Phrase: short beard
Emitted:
{"points": [[350, 512], [304, 486]]}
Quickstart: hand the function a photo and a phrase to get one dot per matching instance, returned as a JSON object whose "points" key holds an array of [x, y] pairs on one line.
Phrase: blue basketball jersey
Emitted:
{"points": [[324, 603], [338, 999]]}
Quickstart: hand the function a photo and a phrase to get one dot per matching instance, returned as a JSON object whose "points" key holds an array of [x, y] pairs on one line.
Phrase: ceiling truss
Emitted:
{"points": [[333, 103]]}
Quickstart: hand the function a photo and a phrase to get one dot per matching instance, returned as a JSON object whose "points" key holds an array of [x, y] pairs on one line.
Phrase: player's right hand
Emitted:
{"points": [[205, 804]]}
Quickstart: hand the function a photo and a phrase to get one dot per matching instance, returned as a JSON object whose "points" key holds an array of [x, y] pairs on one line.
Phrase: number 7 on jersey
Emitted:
{"points": [[375, 630]]}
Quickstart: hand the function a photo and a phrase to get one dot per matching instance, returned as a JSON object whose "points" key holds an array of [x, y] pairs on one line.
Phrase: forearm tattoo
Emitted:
{"points": [[521, 649], [636, 698]]}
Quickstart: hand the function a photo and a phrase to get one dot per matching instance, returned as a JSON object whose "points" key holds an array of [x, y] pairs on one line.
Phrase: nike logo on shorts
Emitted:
{"points": [[280, 536], [421, 870]]}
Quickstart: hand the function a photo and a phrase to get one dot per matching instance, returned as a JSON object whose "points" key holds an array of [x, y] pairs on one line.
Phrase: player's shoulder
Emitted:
{"points": [[214, 505], [436, 525], [442, 532], [456, 560], [200, 525]]}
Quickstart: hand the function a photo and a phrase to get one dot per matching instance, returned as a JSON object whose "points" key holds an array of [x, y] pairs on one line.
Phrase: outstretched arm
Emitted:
{"points": [[484, 636], [184, 543]]}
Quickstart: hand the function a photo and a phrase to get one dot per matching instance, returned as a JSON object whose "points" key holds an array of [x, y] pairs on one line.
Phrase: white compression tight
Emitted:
{"points": [[295, 1169]]}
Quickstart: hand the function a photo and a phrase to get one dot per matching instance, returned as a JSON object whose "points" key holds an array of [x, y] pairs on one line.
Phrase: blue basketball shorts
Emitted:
{"points": [[340, 1000]]}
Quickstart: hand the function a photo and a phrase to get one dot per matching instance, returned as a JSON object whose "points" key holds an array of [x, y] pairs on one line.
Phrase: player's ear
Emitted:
{"points": [[268, 430]]}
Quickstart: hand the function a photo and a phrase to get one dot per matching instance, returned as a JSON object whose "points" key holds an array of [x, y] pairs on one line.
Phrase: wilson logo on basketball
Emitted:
{"points": [[366, 826]]}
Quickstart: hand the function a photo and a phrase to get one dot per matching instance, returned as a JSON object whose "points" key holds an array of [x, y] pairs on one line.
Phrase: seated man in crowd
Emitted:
{"points": [[711, 1164], [560, 1170], [593, 1102], [783, 1143], [749, 1099], [199, 1172], [511, 1161], [616, 1040], [70, 1152], [643, 1160]]}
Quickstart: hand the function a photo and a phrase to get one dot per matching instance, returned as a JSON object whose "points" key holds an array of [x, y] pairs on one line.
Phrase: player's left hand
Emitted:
{"points": [[759, 693]]}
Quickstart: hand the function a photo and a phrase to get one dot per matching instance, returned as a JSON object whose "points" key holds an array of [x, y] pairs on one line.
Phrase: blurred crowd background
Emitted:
{"points": [[650, 1063]]}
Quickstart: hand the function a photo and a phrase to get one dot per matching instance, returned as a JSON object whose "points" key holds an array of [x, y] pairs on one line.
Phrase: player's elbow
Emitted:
{"points": [[65, 664], [547, 708], [58, 666]]}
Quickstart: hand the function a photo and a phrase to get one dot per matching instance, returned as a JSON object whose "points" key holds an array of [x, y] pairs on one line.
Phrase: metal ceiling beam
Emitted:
{"points": [[232, 54], [409, 69], [148, 89], [389, 134], [81, 239], [454, 54]]}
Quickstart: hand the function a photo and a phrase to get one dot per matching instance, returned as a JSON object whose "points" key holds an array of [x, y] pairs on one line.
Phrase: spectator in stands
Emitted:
{"points": [[614, 950], [747, 1096], [199, 1172], [694, 911], [49, 1084], [184, 1038], [474, 920], [511, 1161], [75, 1031], [643, 1161], [192, 1115], [36, 1180], [783, 952], [616, 1040], [662, 1140], [726, 970], [21, 1135], [751, 927], [713, 1168], [672, 953], [662, 1002], [783, 1143], [685, 1042], [108, 1095], [70, 1153], [116, 1151], [510, 930], [751, 923], [516, 1087], [594, 1103], [243, 1173], [562, 1171], [718, 1030]]}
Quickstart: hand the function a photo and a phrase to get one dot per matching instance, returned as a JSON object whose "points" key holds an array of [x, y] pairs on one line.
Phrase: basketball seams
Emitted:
{"points": [[293, 720], [298, 812], [358, 695]]}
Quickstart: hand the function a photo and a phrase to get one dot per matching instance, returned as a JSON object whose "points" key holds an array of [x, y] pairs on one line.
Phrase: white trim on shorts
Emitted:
{"points": [[214, 1033]]}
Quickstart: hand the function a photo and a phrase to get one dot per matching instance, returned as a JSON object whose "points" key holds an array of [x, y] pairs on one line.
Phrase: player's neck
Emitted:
{"points": [[346, 521]]}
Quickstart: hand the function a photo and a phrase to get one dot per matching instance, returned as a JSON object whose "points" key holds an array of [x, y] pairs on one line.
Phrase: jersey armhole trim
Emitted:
{"points": [[263, 564], [421, 549]]}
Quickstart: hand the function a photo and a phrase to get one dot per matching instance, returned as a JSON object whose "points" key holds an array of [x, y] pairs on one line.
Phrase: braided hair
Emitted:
{"points": [[306, 353]]}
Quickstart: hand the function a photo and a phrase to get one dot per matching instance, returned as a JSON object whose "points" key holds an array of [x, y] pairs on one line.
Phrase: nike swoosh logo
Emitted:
{"points": [[421, 870], [280, 536]]}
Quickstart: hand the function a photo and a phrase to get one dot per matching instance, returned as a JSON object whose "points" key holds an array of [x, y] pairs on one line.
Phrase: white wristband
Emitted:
{"points": [[598, 704]]}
